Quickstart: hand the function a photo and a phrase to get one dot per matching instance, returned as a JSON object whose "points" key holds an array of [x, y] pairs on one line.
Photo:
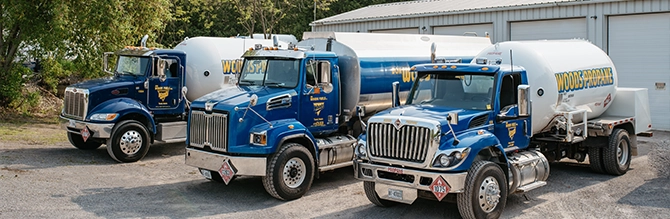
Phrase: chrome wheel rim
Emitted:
{"points": [[294, 172], [622, 153], [130, 142], [489, 194]]}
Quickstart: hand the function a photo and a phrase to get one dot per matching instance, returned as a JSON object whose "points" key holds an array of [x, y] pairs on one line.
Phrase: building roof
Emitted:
{"points": [[430, 8]]}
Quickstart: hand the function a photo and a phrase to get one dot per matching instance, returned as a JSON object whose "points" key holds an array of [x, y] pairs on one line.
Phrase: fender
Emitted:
{"points": [[477, 140], [280, 132], [124, 106]]}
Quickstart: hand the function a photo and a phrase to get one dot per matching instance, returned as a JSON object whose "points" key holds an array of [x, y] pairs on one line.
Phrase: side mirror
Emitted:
{"points": [[325, 72], [395, 94], [105, 62], [523, 99], [160, 70]]}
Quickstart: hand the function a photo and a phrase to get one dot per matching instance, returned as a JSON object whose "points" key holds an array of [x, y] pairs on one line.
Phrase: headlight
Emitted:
{"points": [[259, 138], [362, 150], [104, 116], [450, 158]]}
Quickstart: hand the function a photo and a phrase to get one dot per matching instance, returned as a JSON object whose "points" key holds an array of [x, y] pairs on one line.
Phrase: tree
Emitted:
{"points": [[76, 31]]}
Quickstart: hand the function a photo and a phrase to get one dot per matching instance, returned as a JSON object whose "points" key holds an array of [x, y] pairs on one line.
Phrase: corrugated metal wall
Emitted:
{"points": [[594, 13]]}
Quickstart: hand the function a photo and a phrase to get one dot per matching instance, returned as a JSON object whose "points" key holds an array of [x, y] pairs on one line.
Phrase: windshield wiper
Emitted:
{"points": [[275, 84], [247, 82]]}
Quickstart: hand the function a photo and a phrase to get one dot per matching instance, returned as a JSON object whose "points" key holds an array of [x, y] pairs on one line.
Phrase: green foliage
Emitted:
{"points": [[68, 37], [12, 84]]}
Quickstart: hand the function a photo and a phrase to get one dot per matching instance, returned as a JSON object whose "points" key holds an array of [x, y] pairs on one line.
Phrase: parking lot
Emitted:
{"points": [[58, 181]]}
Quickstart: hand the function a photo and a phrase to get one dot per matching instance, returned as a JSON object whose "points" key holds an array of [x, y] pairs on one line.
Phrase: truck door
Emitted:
{"points": [[510, 128], [320, 102], [164, 91]]}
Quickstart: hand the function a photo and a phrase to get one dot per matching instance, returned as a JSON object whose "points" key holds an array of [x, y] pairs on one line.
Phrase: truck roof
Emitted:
{"points": [[294, 54], [144, 51]]}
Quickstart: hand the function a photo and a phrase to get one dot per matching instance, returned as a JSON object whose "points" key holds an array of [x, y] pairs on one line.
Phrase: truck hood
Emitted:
{"points": [[106, 83], [466, 118], [228, 98]]}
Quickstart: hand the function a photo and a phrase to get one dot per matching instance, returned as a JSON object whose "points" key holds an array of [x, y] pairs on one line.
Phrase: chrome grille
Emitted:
{"points": [[208, 130], [409, 143], [75, 103]]}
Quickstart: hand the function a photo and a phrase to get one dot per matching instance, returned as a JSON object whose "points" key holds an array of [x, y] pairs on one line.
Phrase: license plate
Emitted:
{"points": [[71, 124], [206, 173], [395, 194]]}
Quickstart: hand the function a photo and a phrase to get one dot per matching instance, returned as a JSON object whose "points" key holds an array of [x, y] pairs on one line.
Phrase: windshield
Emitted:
{"points": [[463, 91], [132, 65], [270, 72]]}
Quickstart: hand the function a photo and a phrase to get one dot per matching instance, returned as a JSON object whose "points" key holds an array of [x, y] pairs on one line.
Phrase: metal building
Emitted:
{"points": [[635, 33]]}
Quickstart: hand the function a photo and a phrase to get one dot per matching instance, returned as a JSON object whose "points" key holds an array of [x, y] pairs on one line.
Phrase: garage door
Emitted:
{"points": [[479, 29], [639, 46], [414, 30], [549, 29]]}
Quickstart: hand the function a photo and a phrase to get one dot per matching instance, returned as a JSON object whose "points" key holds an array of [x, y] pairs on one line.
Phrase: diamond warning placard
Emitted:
{"points": [[440, 188]]}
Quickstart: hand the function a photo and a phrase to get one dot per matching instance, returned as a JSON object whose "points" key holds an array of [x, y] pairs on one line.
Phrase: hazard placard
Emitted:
{"points": [[226, 172], [85, 133], [440, 188]]}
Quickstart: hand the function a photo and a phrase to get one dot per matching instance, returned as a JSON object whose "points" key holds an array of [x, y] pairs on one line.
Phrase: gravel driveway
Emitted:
{"points": [[59, 181]]}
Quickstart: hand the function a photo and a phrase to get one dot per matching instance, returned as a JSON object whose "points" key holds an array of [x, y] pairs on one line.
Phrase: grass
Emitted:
{"points": [[32, 129]]}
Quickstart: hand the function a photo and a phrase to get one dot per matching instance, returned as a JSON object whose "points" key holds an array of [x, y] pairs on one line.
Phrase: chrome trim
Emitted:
{"points": [[455, 180], [209, 130], [75, 103], [401, 153], [271, 104], [247, 166], [98, 130]]}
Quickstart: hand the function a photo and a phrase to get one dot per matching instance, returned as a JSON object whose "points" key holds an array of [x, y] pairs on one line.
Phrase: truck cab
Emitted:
{"points": [[133, 107], [286, 105]]}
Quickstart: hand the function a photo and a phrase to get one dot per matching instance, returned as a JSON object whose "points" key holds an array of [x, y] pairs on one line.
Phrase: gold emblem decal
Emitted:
{"points": [[163, 92], [511, 129]]}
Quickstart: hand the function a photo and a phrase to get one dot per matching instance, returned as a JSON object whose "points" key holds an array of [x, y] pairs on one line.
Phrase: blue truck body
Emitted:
{"points": [[131, 109]]}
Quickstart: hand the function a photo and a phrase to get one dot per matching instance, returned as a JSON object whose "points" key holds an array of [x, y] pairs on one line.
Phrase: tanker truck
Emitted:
{"points": [[475, 133], [145, 100], [297, 112]]}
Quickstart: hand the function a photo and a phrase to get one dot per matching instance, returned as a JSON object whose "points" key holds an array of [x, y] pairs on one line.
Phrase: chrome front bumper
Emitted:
{"points": [[370, 172], [246, 166], [97, 130]]}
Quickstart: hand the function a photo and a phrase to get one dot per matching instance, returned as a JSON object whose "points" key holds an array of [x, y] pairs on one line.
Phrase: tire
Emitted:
{"points": [[596, 159], [485, 180], [129, 142], [290, 172], [79, 143], [617, 154], [370, 192]]}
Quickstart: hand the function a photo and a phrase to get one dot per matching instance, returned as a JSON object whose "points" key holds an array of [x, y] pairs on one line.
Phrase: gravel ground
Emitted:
{"points": [[59, 181]]}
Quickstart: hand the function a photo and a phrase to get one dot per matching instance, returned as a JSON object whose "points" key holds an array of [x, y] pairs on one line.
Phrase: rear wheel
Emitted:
{"points": [[617, 156], [129, 142], [78, 142], [485, 192], [371, 193], [596, 159], [290, 172]]}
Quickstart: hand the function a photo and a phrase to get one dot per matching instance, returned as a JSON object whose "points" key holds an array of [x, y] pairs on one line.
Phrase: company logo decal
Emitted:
{"points": [[163, 92], [231, 66], [584, 79], [511, 129]]}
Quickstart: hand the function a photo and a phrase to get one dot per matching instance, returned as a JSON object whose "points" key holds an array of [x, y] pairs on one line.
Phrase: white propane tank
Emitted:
{"points": [[213, 62], [563, 75]]}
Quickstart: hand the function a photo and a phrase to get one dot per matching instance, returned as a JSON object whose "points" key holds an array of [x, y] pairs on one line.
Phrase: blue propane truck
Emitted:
{"points": [[145, 100], [297, 112], [475, 133]]}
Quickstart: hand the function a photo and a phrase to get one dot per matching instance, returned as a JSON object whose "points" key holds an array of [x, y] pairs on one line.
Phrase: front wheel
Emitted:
{"points": [[290, 172], [78, 142], [617, 156], [485, 191], [129, 142]]}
